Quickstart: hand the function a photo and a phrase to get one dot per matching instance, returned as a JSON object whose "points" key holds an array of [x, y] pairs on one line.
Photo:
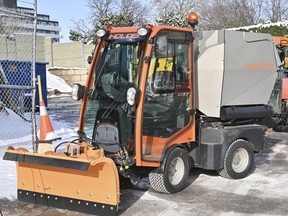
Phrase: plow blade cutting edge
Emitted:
{"points": [[89, 185]]}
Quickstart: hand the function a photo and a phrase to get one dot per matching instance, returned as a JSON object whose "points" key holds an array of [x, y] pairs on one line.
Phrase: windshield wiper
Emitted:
{"points": [[102, 69], [111, 107], [94, 93]]}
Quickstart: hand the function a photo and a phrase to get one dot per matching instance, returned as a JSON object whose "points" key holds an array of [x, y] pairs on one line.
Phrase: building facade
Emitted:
{"points": [[8, 3], [45, 26]]}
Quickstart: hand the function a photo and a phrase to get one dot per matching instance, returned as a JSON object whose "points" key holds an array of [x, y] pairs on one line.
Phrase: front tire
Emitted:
{"points": [[238, 160], [174, 177]]}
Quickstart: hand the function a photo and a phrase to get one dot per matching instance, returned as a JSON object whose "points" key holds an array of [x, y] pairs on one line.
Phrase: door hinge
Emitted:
{"points": [[147, 59]]}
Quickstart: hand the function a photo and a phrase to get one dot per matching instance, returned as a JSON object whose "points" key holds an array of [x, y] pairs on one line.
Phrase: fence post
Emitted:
{"points": [[33, 117]]}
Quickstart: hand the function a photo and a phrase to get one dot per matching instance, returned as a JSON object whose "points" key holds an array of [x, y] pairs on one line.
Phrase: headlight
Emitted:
{"points": [[101, 32], [143, 31], [77, 91], [131, 94]]}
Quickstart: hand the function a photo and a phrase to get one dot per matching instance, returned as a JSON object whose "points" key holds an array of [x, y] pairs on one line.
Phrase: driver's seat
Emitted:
{"points": [[107, 137], [112, 129]]}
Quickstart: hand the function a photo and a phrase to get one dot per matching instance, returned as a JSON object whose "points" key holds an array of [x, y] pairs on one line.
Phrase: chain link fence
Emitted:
{"points": [[17, 58]]}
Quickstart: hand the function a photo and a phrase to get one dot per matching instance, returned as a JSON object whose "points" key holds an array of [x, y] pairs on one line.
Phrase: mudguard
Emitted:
{"points": [[86, 182]]}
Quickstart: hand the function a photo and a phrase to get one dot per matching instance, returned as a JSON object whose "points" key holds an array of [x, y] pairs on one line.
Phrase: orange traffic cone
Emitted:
{"points": [[46, 129]]}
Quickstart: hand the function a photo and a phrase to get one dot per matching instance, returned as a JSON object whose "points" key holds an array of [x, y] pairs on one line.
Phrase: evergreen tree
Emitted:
{"points": [[173, 19], [274, 30], [75, 36], [117, 20]]}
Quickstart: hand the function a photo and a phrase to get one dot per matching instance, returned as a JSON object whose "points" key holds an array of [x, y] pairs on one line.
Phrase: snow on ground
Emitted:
{"points": [[21, 136], [8, 186]]}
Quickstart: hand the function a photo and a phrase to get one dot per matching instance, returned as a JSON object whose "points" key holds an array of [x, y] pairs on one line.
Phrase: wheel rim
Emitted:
{"points": [[176, 171], [240, 160]]}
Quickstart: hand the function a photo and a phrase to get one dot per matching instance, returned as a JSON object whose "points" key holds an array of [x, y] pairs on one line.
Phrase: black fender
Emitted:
{"points": [[166, 154]]}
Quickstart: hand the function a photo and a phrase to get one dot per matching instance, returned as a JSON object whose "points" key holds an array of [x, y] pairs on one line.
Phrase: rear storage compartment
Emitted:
{"points": [[232, 70]]}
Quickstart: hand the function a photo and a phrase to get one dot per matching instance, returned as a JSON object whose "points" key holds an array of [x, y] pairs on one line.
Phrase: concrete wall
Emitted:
{"points": [[19, 48], [70, 75], [67, 60], [72, 54], [68, 55]]}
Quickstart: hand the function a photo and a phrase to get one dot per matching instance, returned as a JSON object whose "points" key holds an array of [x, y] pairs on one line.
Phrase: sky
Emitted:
{"points": [[63, 11]]}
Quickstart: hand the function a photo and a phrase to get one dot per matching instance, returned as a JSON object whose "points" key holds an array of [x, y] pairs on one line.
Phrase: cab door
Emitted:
{"points": [[167, 112]]}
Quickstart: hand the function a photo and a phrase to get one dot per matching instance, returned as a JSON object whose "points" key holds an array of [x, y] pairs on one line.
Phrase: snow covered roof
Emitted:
{"points": [[263, 25]]}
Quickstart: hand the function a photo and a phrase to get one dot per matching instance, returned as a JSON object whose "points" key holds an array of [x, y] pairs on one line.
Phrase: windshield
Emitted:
{"points": [[117, 69]]}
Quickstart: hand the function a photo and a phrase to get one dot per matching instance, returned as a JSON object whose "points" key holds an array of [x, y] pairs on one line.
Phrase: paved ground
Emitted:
{"points": [[264, 192]]}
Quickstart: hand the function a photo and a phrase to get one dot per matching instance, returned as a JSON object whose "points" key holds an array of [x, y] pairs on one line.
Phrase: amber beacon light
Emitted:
{"points": [[193, 19]]}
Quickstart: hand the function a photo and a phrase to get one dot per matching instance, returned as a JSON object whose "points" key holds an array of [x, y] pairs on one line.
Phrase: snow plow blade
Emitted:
{"points": [[86, 182]]}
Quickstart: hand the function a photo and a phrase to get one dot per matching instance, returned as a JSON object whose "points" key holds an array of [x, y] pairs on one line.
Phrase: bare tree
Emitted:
{"points": [[140, 13], [132, 8], [100, 8], [81, 31], [174, 12], [175, 6], [213, 14], [277, 10], [246, 12], [112, 12], [220, 14]]}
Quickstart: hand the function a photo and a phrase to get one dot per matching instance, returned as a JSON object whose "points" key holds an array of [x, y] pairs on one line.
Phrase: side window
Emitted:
{"points": [[182, 67], [167, 94], [169, 69]]}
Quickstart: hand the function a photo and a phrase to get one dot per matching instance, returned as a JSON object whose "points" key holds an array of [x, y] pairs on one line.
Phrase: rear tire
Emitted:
{"points": [[238, 160], [174, 177]]}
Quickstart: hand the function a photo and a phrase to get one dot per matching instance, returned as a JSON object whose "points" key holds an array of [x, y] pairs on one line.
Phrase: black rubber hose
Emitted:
{"points": [[55, 150]]}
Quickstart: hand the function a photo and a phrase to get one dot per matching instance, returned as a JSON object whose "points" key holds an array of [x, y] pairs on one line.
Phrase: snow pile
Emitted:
{"points": [[56, 83], [16, 132], [65, 68], [9, 121]]}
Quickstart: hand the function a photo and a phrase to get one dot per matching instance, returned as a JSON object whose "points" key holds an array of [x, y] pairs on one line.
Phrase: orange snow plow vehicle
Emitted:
{"points": [[158, 101], [282, 43]]}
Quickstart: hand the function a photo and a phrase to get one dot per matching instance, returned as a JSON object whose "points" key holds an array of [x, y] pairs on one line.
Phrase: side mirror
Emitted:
{"points": [[280, 53], [77, 91], [89, 59], [161, 47]]}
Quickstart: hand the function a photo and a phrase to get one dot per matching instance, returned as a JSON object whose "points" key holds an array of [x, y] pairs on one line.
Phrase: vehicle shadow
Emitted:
{"points": [[131, 194], [273, 138]]}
